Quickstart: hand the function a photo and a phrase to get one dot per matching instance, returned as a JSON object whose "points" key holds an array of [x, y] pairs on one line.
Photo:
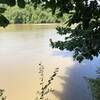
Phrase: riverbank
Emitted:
{"points": [[28, 27]]}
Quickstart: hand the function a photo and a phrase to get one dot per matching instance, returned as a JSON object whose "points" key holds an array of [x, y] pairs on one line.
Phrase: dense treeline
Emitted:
{"points": [[31, 15]]}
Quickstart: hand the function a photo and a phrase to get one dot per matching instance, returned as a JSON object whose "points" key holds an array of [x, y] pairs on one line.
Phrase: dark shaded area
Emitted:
{"points": [[95, 88], [75, 86]]}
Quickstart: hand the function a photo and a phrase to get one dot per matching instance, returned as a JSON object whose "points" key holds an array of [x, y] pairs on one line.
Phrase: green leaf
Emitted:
{"points": [[21, 3], [11, 2], [3, 21], [8, 2], [2, 10]]}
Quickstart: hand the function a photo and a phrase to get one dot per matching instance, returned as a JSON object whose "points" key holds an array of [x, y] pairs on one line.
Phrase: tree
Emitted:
{"points": [[3, 20], [84, 38]]}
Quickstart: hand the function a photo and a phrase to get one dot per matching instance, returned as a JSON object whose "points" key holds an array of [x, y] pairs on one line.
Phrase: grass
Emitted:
{"points": [[95, 86]]}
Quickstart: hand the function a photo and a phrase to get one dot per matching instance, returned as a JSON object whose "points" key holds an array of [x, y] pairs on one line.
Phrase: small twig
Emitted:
{"points": [[45, 87]]}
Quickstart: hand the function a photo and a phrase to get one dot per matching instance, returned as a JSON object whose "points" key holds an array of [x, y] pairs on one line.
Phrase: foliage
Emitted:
{"points": [[84, 38], [45, 87], [95, 86], [3, 4], [31, 15]]}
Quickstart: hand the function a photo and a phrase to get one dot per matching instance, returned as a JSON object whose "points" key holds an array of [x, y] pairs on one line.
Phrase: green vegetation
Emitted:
{"points": [[84, 38], [95, 86], [31, 15], [3, 6]]}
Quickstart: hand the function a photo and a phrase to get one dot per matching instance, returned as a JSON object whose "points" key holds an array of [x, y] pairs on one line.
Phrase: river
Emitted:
{"points": [[23, 47]]}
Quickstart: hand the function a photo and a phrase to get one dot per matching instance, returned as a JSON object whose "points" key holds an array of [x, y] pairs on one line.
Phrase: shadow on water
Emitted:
{"points": [[63, 53], [75, 87]]}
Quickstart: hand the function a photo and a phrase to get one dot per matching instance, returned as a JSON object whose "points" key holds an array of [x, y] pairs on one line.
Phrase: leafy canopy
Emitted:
{"points": [[3, 20], [84, 38]]}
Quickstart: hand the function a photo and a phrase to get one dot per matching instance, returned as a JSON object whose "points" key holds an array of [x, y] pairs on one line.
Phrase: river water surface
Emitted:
{"points": [[23, 47]]}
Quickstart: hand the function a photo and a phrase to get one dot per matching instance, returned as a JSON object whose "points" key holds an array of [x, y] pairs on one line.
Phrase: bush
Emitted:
{"points": [[31, 15], [95, 86]]}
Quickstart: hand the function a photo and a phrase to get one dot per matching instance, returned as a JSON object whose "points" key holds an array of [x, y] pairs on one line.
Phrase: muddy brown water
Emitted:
{"points": [[23, 47]]}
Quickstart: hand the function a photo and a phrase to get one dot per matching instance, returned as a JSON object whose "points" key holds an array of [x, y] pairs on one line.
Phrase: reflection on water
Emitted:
{"points": [[22, 47]]}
